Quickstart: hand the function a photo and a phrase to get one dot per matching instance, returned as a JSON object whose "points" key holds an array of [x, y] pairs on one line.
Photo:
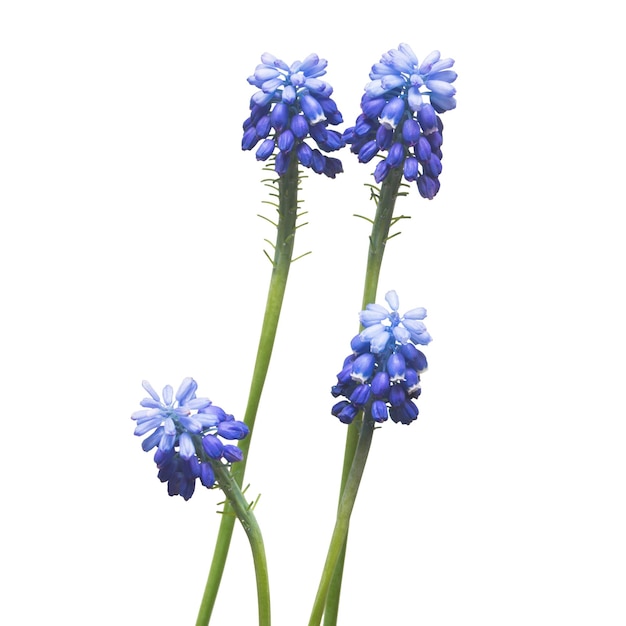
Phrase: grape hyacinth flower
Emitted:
{"points": [[186, 433], [293, 104], [382, 375], [399, 117]]}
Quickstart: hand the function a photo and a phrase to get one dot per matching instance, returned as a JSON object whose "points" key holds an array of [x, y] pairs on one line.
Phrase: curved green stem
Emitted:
{"points": [[287, 215], [244, 514], [378, 240], [346, 504]]}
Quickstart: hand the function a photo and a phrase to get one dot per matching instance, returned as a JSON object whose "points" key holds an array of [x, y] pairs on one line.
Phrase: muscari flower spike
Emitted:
{"points": [[186, 433], [382, 375], [293, 105], [399, 117]]}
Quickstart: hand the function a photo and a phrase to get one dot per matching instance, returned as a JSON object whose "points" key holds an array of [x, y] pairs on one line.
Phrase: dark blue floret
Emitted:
{"points": [[265, 149], [232, 453], [379, 410], [360, 395]]}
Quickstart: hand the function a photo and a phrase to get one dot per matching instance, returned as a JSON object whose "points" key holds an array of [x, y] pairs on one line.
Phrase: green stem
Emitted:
{"points": [[248, 521], [346, 504], [287, 215], [378, 240]]}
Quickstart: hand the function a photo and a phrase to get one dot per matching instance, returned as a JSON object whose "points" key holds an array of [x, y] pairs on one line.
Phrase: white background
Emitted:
{"points": [[130, 249]]}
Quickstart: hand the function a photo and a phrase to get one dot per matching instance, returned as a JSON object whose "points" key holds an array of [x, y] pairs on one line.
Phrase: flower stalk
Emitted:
{"points": [[340, 532], [288, 185], [399, 120], [246, 517], [329, 590]]}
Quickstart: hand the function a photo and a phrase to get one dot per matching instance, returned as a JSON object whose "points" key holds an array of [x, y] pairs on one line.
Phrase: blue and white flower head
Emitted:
{"points": [[399, 116], [291, 106], [186, 433], [382, 375]]}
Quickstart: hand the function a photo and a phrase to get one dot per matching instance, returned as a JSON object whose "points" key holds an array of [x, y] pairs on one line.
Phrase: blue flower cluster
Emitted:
{"points": [[382, 375], [292, 105], [185, 433], [399, 116]]}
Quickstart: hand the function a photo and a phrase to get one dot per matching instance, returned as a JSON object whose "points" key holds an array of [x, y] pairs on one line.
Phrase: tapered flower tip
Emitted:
{"points": [[168, 395], [380, 384], [265, 150], [358, 345], [373, 314], [363, 367], [280, 116], [404, 413], [187, 449], [427, 119], [368, 151], [397, 395], [289, 94], [299, 126], [186, 390], [347, 413], [309, 63], [416, 358], [378, 336], [286, 140], [381, 170], [427, 186], [408, 52], [441, 88], [392, 113], [212, 446], [392, 300], [416, 314], [398, 60], [401, 334], [312, 109], [332, 167], [422, 338], [270, 59], [429, 61], [263, 73], [360, 395], [207, 475], [232, 430], [396, 154], [339, 407], [153, 394], [372, 107], [379, 410], [442, 103], [411, 169], [232, 453], [396, 367], [411, 382], [250, 139], [410, 132]]}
